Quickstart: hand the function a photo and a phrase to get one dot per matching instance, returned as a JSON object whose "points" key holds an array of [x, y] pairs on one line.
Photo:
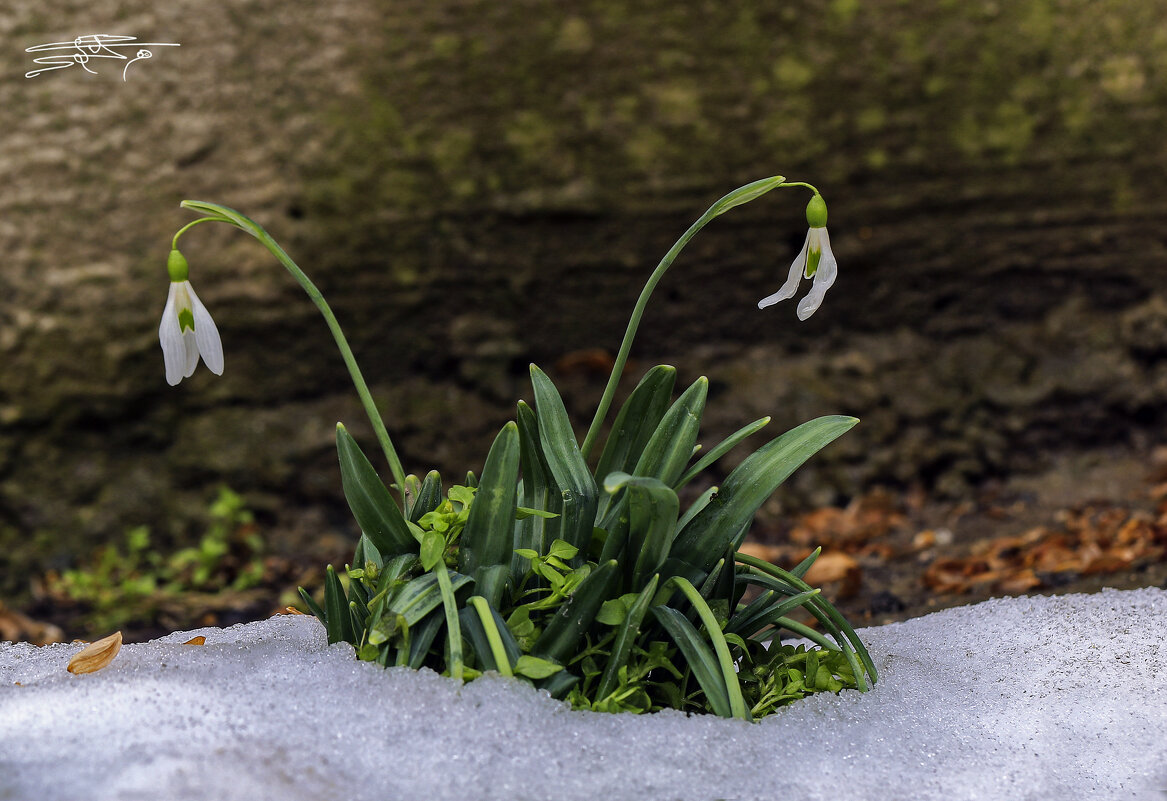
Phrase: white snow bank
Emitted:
{"points": [[1034, 698]]}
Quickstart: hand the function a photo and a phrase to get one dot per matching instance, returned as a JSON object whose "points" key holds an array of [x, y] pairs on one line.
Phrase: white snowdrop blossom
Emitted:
{"points": [[187, 330], [815, 260]]}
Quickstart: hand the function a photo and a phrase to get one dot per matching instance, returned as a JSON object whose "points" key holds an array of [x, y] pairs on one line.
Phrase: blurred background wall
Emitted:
{"points": [[478, 185]]}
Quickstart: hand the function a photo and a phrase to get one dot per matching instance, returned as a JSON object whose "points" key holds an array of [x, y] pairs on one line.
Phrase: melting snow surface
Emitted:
{"points": [[1021, 698]]}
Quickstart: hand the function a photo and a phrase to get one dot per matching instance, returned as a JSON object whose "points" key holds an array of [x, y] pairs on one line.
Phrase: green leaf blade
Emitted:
{"points": [[636, 421], [488, 538], [699, 656], [372, 505], [670, 447], [728, 514], [565, 462]]}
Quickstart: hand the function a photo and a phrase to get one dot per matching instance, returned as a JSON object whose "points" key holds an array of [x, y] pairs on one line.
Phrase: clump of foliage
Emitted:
{"points": [[587, 580], [132, 583], [592, 583]]}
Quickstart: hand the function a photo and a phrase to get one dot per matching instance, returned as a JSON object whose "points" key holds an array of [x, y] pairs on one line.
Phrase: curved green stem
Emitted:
{"points": [[189, 225], [802, 184], [737, 197], [223, 214]]}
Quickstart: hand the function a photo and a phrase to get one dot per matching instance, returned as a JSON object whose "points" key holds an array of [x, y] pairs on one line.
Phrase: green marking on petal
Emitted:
{"points": [[813, 255], [185, 320]]}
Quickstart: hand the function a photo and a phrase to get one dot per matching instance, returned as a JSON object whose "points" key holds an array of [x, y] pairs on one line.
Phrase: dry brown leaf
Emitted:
{"points": [[17, 627], [759, 551], [947, 575], [291, 610], [97, 655], [923, 540], [1106, 563], [200, 640], [1019, 582], [836, 567]]}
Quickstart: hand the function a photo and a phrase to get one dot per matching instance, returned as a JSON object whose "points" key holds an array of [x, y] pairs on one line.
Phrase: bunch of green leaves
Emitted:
{"points": [[127, 584], [591, 582]]}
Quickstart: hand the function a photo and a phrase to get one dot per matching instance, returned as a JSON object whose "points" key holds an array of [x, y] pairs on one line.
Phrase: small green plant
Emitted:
{"points": [[133, 583], [581, 575]]}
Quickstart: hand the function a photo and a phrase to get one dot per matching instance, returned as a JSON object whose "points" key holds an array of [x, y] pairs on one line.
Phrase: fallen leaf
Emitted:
{"points": [[97, 655], [17, 627], [770, 553], [291, 610], [200, 640], [836, 566], [1106, 563], [923, 539], [1020, 582]]}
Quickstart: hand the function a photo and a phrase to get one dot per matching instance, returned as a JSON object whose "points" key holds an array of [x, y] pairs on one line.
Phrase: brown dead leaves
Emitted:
{"points": [[846, 535], [1091, 540], [17, 627], [96, 655]]}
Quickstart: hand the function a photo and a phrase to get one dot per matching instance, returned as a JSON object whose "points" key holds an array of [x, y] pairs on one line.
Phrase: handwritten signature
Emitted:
{"points": [[91, 46]]}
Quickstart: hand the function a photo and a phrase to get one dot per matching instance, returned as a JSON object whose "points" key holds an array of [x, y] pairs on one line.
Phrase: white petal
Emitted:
{"points": [[828, 267], [824, 278], [792, 280], [169, 335], [192, 353], [207, 335]]}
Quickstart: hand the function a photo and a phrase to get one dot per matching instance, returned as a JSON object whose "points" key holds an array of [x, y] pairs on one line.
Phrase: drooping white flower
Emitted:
{"points": [[815, 260], [187, 330]]}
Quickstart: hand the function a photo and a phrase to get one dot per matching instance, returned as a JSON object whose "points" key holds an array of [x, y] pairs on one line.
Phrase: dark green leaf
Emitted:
{"points": [[313, 607], [559, 683], [765, 610], [671, 445], [626, 638], [493, 643], [422, 636], [699, 656], [563, 633], [337, 619], [744, 194], [565, 462], [737, 706], [636, 421], [653, 508], [373, 507], [488, 538], [728, 514], [724, 447], [420, 596], [537, 490], [429, 495]]}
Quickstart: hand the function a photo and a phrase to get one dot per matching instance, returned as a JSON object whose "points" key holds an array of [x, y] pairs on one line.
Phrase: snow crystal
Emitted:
{"points": [[1035, 698]]}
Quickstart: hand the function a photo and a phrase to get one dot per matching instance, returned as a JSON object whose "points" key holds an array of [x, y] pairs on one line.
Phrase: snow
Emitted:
{"points": [[1020, 698]]}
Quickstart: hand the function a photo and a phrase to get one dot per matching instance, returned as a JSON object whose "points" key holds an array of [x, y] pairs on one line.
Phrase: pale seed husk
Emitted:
{"points": [[96, 655]]}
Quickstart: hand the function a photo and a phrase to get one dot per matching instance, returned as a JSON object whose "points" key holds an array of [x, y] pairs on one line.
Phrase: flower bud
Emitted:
{"points": [[177, 267], [816, 212]]}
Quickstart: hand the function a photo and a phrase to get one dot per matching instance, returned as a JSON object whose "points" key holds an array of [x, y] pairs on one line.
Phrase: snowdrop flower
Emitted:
{"points": [[814, 261], [187, 330]]}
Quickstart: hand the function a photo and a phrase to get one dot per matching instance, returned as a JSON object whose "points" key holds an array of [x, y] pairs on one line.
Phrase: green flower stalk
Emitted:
{"points": [[816, 243], [217, 213]]}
